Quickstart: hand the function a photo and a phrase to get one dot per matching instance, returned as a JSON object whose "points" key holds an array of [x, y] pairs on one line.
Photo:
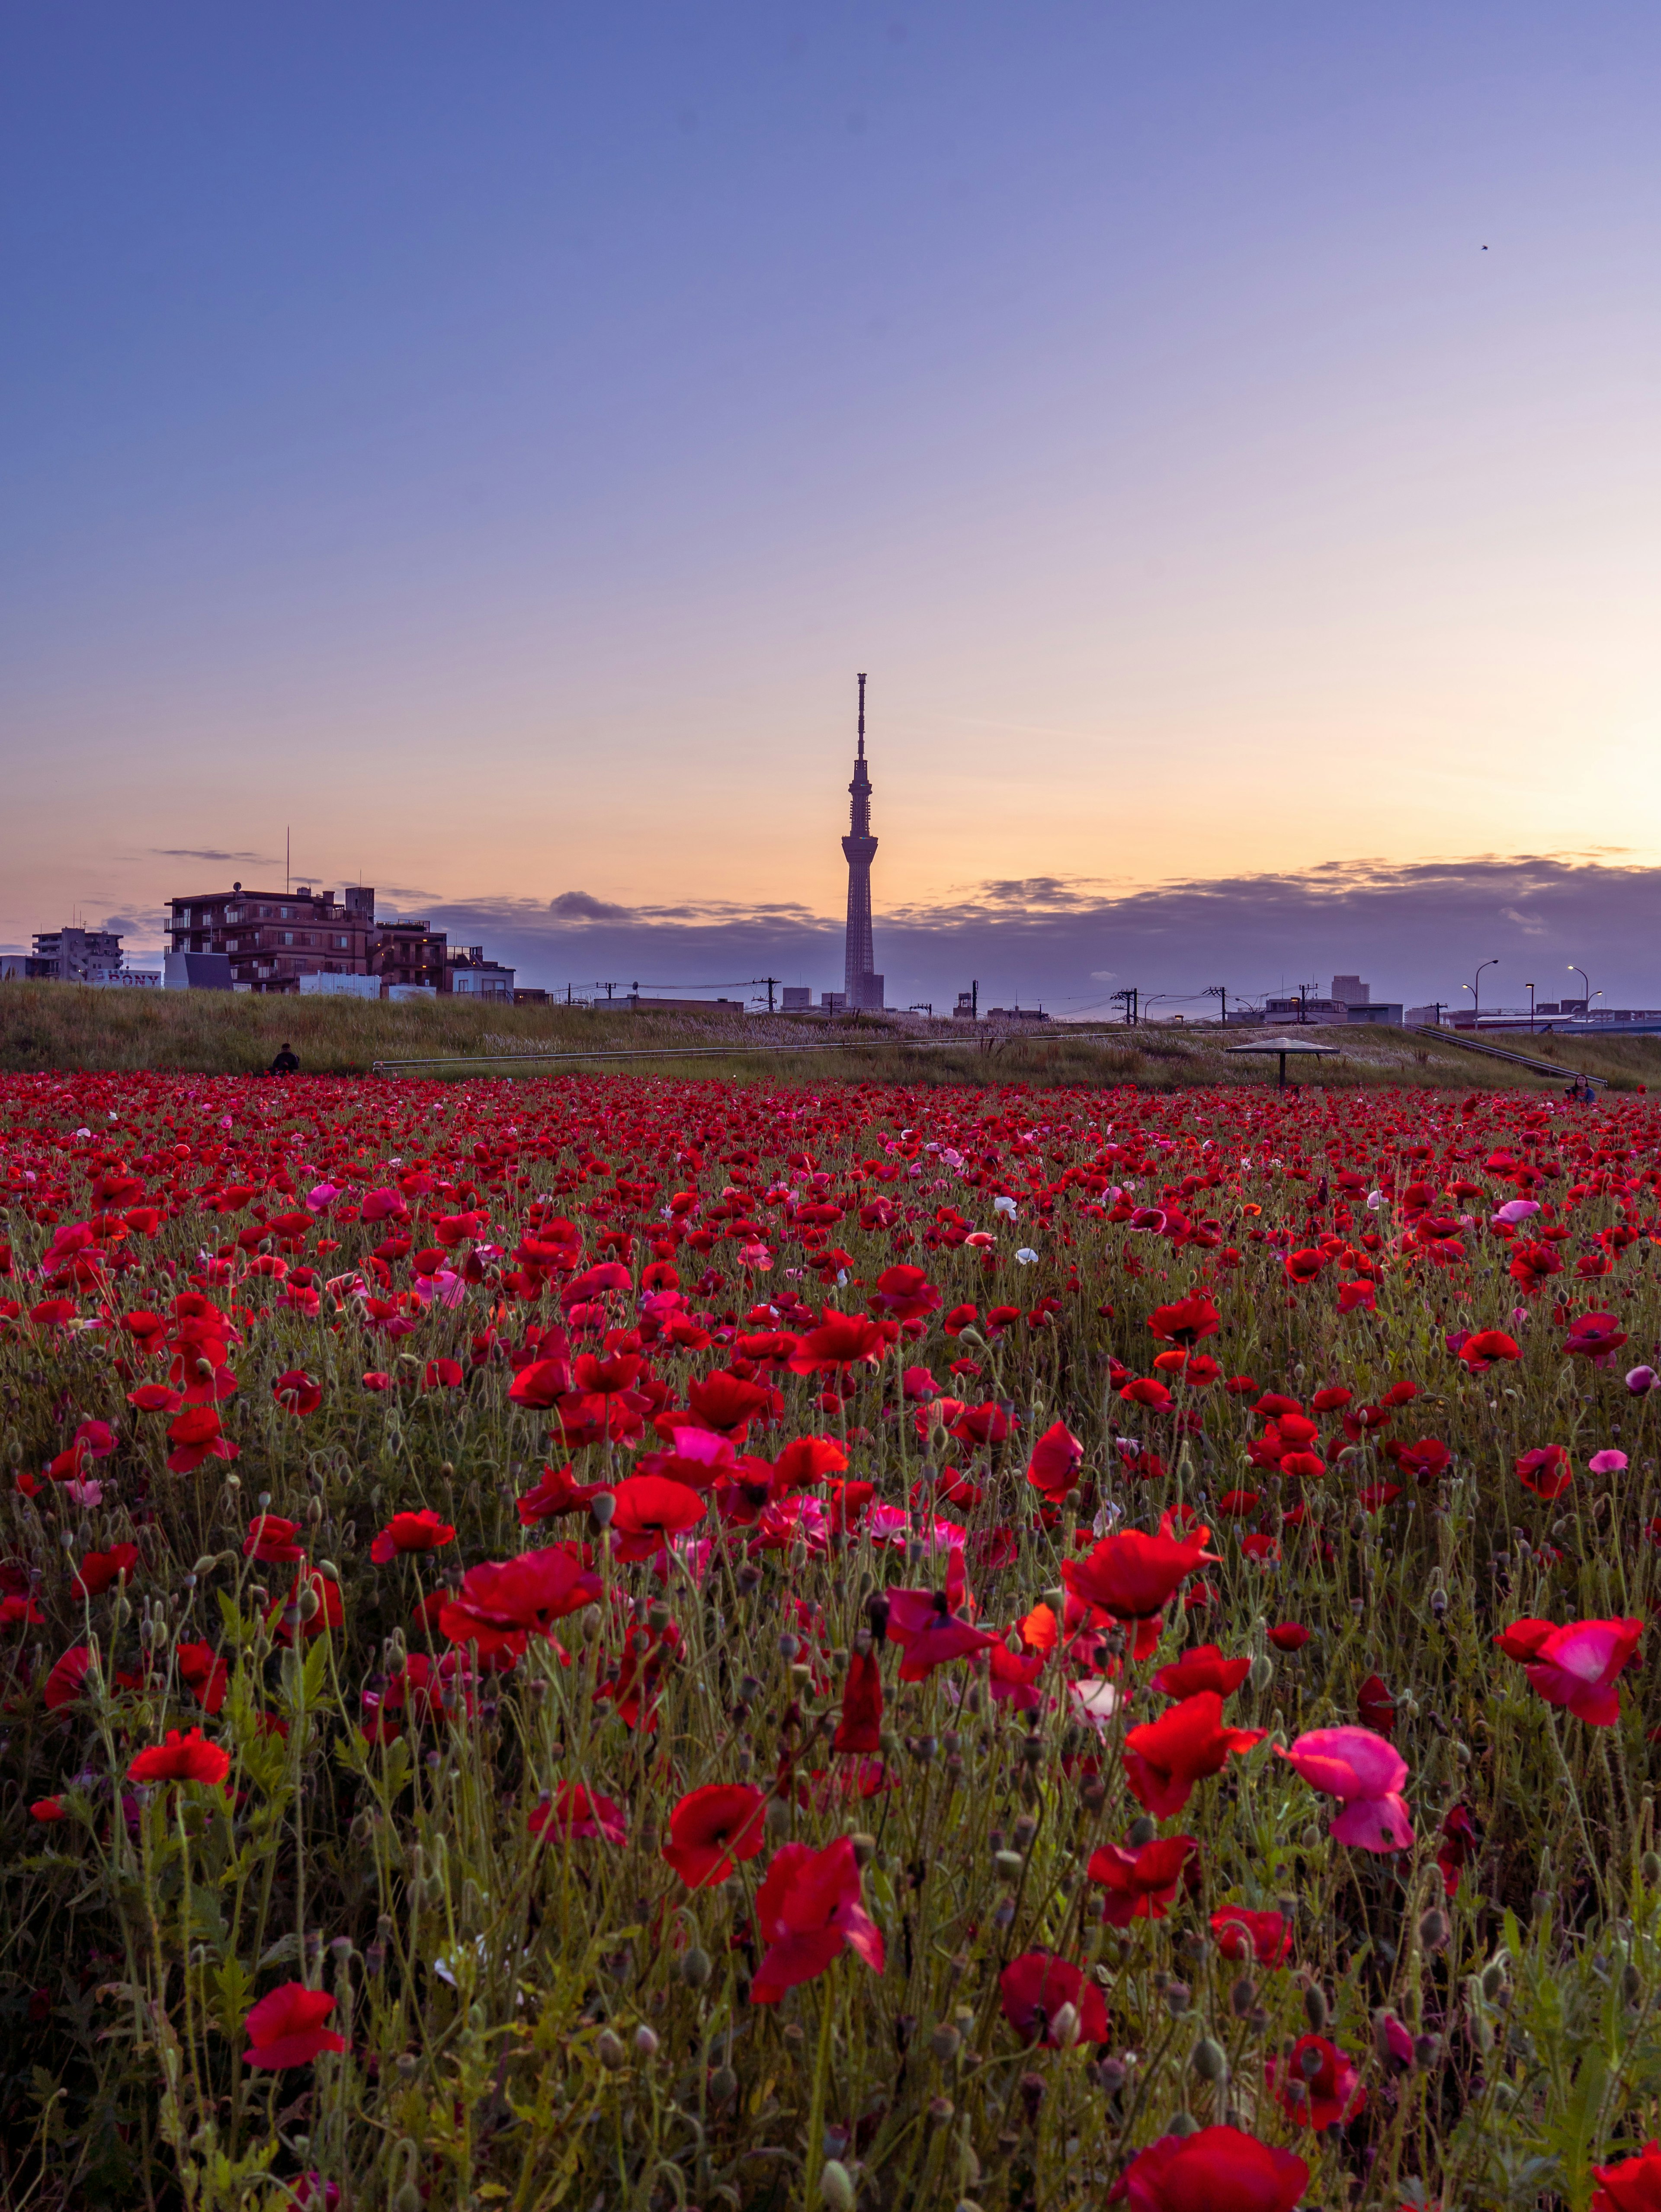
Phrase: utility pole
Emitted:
{"points": [[1303, 1004], [1219, 991], [770, 981], [974, 999]]}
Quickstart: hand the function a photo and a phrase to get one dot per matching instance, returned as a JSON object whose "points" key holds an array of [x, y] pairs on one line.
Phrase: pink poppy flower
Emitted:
{"points": [[1365, 1773]]}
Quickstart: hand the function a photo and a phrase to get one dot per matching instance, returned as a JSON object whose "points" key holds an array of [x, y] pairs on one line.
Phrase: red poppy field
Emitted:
{"points": [[632, 1644]]}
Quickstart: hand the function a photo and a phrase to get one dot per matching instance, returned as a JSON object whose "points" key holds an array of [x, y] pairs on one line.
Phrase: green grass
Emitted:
{"points": [[64, 1026]]}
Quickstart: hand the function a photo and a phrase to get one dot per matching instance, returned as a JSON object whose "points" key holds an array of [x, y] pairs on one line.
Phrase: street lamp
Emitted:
{"points": [[1586, 979], [1476, 990], [1530, 993]]}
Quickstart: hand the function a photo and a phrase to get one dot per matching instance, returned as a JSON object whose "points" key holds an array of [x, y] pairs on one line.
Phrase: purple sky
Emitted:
{"points": [[487, 443]]}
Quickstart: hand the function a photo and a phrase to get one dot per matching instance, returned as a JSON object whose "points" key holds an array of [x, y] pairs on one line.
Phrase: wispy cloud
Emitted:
{"points": [[194, 852]]}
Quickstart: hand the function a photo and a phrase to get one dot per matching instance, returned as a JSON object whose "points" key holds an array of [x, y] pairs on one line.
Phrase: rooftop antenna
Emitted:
{"points": [[861, 717], [287, 862]]}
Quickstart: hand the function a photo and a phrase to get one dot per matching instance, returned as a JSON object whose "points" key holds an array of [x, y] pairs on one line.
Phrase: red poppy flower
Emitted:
{"points": [[1288, 1636], [859, 1729], [727, 1403], [502, 1603], [296, 1393], [1375, 1708], [100, 1569], [1139, 1882], [1186, 1321], [906, 1293], [1317, 2083], [195, 1434], [1214, 2170], [411, 1532], [270, 1540], [1425, 1460], [1240, 1934], [69, 1674], [1546, 1471], [286, 2028], [204, 1674], [186, 1756], [928, 1633], [539, 1385], [47, 1809], [713, 1828], [1057, 1457], [1035, 1987], [1163, 1759], [1134, 1576], [840, 1340], [1595, 1336], [1486, 1347], [1303, 1267], [1204, 1667], [580, 1814], [1632, 2184], [809, 1911], [650, 1513]]}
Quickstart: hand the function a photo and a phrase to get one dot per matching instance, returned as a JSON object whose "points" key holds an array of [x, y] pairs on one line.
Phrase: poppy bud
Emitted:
{"points": [[608, 2049], [658, 1618], [646, 2042], [946, 2042], [1209, 2061], [1243, 1997], [309, 1603], [1176, 1998], [1632, 1984], [1111, 2076], [836, 2186], [777, 1817], [1650, 1867], [1064, 2026], [723, 2086], [941, 2110], [1315, 2007], [1025, 1829], [1009, 1862], [591, 1621], [695, 1967], [1493, 1979], [1181, 2123], [408, 2199], [601, 1508], [1263, 1671], [865, 1847], [1141, 1832], [1032, 2087], [1434, 1930], [876, 1606]]}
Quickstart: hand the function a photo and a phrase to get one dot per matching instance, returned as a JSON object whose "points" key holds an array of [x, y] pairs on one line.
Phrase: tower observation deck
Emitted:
{"points": [[863, 985]]}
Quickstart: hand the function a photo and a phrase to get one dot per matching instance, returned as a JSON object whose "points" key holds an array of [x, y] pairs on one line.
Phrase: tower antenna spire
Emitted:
{"points": [[862, 986]]}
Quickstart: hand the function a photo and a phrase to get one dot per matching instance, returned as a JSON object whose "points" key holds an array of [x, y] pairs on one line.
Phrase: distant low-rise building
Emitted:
{"points": [[406, 952], [796, 998], [1017, 1013], [473, 977]]}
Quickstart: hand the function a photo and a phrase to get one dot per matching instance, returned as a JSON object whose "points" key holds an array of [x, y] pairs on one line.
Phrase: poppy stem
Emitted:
{"points": [[815, 2158]]}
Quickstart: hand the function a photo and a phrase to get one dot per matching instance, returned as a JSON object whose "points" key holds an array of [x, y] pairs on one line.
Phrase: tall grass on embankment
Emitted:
{"points": [[66, 1026]]}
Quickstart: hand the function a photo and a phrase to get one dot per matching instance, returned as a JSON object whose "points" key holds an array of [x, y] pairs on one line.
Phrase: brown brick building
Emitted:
{"points": [[274, 938]]}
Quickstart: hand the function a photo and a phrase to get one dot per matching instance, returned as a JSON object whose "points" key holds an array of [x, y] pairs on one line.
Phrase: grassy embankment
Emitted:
{"points": [[53, 1025]]}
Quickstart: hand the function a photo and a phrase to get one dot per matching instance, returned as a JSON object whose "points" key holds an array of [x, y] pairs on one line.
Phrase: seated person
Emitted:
{"points": [[286, 1063]]}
